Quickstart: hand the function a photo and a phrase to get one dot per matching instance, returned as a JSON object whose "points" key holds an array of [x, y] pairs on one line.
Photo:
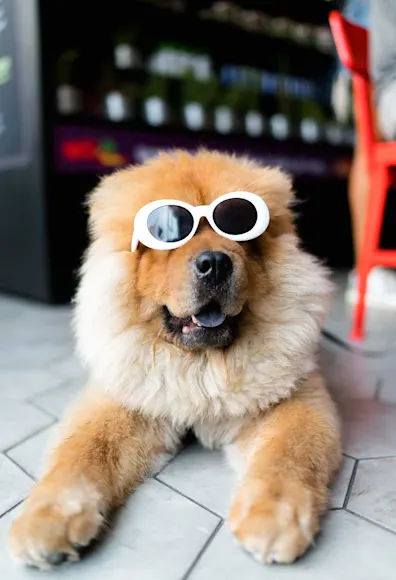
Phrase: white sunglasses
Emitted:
{"points": [[168, 223]]}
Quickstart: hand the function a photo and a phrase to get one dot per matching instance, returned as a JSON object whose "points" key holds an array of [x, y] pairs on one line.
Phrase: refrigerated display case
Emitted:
{"points": [[24, 244], [86, 89]]}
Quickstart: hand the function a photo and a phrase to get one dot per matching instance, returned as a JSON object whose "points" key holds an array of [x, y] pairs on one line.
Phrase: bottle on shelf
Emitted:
{"points": [[126, 55], [174, 61], [69, 99], [253, 119], [225, 118], [156, 110], [312, 120], [197, 97], [254, 122], [116, 100], [280, 121]]}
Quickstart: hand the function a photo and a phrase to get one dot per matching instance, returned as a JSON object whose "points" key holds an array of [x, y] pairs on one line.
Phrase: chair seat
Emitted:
{"points": [[385, 258]]}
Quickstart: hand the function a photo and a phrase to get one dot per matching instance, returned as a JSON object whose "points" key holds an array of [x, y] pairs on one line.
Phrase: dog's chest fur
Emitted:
{"points": [[211, 391]]}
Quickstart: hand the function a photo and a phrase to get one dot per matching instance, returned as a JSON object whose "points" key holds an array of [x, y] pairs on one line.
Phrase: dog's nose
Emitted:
{"points": [[213, 267]]}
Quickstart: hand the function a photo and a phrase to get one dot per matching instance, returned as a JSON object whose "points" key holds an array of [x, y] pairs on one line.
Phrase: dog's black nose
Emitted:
{"points": [[213, 267]]}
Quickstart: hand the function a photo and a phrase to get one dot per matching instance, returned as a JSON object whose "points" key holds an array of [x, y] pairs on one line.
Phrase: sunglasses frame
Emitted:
{"points": [[142, 234]]}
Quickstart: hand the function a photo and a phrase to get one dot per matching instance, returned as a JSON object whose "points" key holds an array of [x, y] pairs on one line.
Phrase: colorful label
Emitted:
{"points": [[81, 149]]}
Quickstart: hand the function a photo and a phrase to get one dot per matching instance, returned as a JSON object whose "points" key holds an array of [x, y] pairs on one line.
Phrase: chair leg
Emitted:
{"points": [[359, 311], [379, 183]]}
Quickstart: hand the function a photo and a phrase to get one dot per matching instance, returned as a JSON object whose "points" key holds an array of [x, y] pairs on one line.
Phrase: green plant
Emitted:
{"points": [[239, 97], [194, 90], [64, 66], [250, 99], [156, 86], [313, 110]]}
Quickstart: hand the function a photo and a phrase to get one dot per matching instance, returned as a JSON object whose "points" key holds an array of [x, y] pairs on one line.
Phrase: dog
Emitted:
{"points": [[197, 310]]}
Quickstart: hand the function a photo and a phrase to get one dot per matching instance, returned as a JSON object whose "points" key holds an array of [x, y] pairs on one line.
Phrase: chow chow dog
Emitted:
{"points": [[197, 311]]}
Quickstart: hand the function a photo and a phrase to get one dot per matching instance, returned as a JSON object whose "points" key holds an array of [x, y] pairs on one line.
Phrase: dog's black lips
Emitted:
{"points": [[206, 328]]}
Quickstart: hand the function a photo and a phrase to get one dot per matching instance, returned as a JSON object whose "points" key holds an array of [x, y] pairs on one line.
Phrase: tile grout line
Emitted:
{"points": [[349, 456], [377, 457], [20, 467], [187, 497], [175, 456], [350, 484], [370, 521], [48, 413], [6, 451], [378, 388], [326, 334], [12, 508], [183, 447], [203, 550], [344, 345]]}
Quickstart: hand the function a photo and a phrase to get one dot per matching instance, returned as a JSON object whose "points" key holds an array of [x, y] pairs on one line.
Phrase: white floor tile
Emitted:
{"points": [[380, 324], [58, 401], [369, 428], [18, 421], [11, 307], [30, 454], [39, 355], [23, 384], [70, 368], [160, 533], [348, 375], [387, 391], [51, 316], [373, 493], [14, 484], [348, 549], [156, 536], [205, 477], [26, 331]]}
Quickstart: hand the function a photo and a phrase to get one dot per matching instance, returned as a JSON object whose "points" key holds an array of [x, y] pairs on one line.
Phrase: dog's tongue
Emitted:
{"points": [[209, 317]]}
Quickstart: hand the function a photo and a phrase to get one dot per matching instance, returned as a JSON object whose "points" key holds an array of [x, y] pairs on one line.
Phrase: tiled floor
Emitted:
{"points": [[173, 527]]}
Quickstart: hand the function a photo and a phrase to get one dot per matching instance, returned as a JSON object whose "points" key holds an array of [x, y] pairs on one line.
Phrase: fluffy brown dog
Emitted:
{"points": [[249, 386]]}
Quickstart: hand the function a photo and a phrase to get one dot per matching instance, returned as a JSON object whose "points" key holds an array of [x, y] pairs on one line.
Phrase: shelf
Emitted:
{"points": [[84, 149]]}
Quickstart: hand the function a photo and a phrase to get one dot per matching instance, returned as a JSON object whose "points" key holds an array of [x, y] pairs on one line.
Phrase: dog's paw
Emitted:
{"points": [[274, 524], [48, 533]]}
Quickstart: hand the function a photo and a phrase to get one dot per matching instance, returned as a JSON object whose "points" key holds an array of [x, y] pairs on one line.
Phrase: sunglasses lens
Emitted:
{"points": [[235, 216], [170, 223]]}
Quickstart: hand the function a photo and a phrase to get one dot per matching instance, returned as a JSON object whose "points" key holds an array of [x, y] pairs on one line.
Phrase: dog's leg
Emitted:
{"points": [[289, 457], [104, 452]]}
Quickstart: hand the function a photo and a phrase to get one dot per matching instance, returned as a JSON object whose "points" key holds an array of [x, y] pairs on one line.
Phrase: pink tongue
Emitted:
{"points": [[209, 317]]}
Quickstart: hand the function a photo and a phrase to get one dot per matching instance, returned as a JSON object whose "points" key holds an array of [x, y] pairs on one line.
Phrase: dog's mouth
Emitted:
{"points": [[210, 316], [209, 327]]}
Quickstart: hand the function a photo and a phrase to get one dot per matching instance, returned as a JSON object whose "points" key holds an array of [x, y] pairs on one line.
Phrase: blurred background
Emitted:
{"points": [[86, 88]]}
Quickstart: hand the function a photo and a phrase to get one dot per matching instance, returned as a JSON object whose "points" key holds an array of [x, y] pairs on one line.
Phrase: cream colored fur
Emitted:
{"points": [[261, 398], [224, 388]]}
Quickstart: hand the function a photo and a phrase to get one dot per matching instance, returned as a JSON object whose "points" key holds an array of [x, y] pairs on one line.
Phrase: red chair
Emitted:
{"points": [[352, 44]]}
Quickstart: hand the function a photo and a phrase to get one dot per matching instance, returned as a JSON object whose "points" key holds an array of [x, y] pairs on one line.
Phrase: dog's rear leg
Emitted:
{"points": [[290, 456], [104, 452]]}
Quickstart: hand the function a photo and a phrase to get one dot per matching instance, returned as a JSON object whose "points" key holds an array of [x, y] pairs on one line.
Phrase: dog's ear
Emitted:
{"points": [[275, 187], [94, 206], [111, 206]]}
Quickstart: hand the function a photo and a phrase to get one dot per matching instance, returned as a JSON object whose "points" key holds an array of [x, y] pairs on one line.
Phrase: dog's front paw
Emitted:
{"points": [[274, 523], [51, 531]]}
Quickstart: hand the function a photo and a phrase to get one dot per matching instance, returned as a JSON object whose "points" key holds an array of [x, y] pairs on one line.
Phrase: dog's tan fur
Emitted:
{"points": [[261, 399]]}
